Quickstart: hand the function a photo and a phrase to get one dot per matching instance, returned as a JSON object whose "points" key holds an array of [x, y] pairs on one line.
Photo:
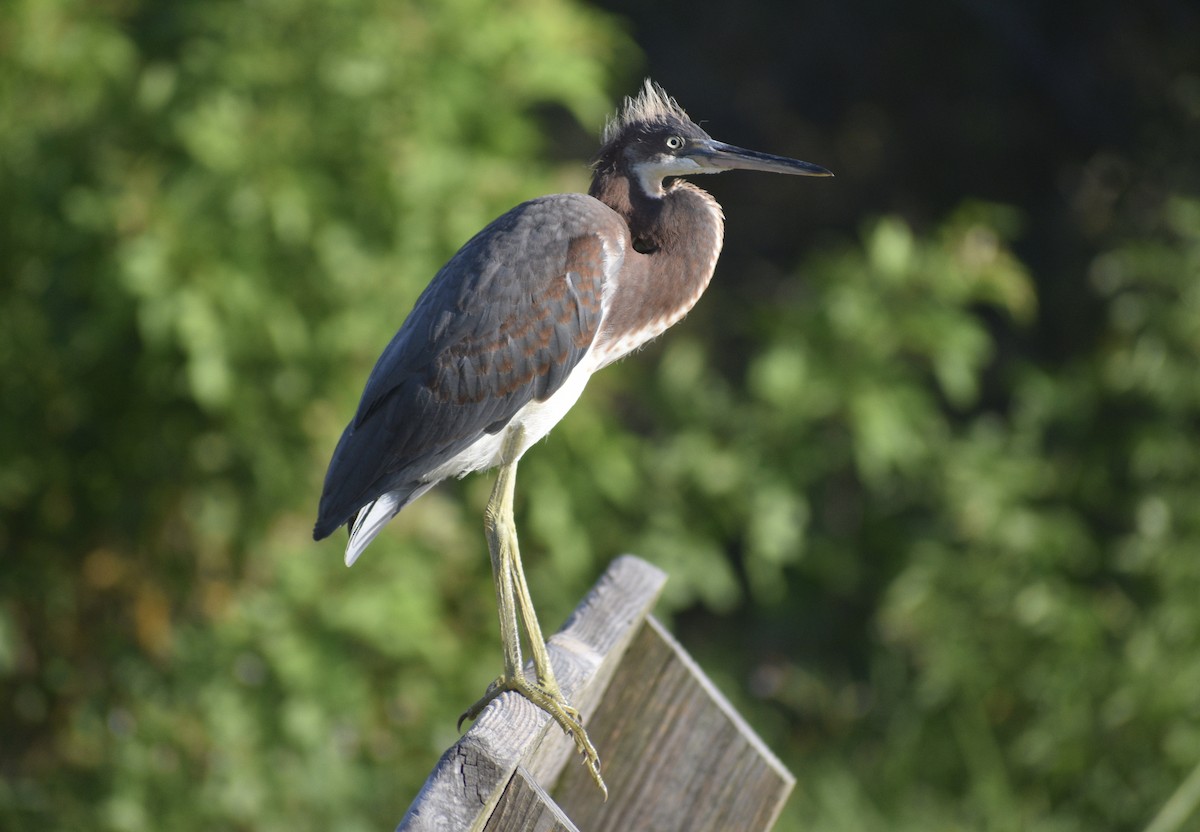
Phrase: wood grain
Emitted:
{"points": [[676, 755], [525, 807], [679, 756], [468, 780]]}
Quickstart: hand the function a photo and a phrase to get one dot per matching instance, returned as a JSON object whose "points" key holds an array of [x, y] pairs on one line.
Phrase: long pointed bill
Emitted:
{"points": [[713, 157]]}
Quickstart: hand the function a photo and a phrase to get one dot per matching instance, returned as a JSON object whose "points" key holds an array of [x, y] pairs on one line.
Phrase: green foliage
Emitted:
{"points": [[950, 578], [1000, 597], [1013, 590], [1047, 622], [217, 215]]}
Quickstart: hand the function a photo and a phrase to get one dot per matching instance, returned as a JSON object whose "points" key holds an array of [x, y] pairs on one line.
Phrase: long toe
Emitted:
{"points": [[550, 700]]}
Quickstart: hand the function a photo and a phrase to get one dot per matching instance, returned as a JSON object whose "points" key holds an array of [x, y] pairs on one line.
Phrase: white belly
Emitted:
{"points": [[535, 419]]}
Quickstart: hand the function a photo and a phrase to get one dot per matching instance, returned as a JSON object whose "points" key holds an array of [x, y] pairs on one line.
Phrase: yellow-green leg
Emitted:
{"points": [[513, 600]]}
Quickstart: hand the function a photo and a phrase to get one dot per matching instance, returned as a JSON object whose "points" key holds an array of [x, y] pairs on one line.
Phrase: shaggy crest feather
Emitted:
{"points": [[652, 105]]}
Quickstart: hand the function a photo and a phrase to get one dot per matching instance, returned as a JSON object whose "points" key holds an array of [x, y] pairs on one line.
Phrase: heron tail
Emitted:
{"points": [[370, 520]]}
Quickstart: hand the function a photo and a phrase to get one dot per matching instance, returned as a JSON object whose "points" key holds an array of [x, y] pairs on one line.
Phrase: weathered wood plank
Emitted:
{"points": [[525, 807], [678, 757], [470, 777]]}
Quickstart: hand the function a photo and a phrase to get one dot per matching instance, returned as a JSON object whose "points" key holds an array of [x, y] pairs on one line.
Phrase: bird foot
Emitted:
{"points": [[550, 700]]}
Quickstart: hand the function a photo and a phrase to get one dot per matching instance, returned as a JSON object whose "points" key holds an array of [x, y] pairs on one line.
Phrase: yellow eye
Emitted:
{"points": [[674, 143]]}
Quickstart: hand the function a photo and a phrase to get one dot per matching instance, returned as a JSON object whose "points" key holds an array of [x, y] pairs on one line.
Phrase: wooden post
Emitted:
{"points": [[676, 755]]}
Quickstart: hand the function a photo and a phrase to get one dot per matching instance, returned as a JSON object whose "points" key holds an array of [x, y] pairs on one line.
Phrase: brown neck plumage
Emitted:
{"points": [[676, 239]]}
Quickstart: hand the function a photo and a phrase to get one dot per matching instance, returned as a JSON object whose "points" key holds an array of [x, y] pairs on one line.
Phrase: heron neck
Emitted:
{"points": [[676, 240], [682, 217]]}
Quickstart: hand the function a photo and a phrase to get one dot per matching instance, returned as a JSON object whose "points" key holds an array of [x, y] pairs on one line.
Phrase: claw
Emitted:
{"points": [[550, 700], [498, 686]]}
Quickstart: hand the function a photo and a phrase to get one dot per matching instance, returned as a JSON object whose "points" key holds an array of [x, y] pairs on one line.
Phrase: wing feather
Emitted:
{"points": [[502, 324]]}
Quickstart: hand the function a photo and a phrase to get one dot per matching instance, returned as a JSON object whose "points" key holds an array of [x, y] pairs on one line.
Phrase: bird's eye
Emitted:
{"points": [[674, 142]]}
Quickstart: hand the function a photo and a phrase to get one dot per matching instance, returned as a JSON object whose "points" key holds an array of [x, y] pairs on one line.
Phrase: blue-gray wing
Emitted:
{"points": [[502, 324]]}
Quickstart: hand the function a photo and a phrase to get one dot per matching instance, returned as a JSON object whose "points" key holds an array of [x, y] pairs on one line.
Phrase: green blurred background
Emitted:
{"points": [[924, 464]]}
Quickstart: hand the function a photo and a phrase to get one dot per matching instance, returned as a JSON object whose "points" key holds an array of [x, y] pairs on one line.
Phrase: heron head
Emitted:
{"points": [[653, 139]]}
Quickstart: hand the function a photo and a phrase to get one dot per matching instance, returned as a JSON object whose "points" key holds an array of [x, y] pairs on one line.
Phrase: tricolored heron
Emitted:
{"points": [[500, 345]]}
